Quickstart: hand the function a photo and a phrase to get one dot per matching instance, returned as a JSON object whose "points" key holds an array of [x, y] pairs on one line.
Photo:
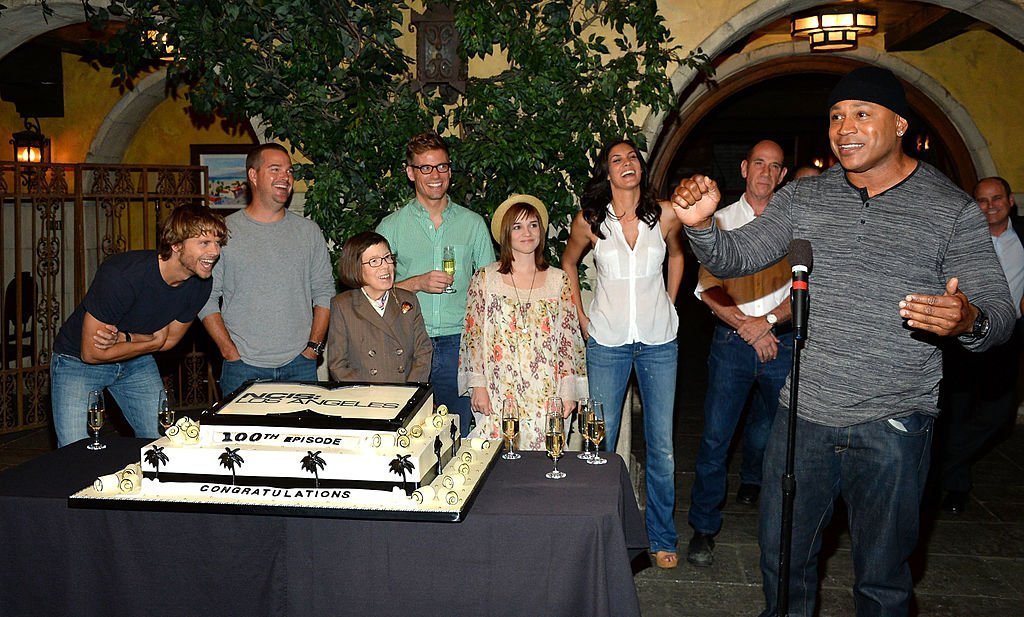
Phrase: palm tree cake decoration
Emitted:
{"points": [[231, 459], [156, 456], [312, 463], [400, 465], [454, 433], [437, 453]]}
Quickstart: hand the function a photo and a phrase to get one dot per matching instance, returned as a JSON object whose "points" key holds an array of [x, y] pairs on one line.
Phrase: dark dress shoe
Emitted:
{"points": [[748, 494], [955, 502], [700, 551]]}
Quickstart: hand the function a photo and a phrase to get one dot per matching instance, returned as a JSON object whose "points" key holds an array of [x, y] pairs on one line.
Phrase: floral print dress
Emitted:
{"points": [[521, 344]]}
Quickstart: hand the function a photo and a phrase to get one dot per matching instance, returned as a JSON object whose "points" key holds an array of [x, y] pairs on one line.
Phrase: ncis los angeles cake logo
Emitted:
{"points": [[310, 400]]}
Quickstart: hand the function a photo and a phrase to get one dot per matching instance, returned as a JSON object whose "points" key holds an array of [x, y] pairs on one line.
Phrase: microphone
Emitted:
{"points": [[801, 260]]}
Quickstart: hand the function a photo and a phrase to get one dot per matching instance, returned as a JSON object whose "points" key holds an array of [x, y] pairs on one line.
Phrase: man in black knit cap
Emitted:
{"points": [[902, 260]]}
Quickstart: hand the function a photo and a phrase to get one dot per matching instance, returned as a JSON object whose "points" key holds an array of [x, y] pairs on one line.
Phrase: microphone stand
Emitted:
{"points": [[788, 485], [799, 303]]}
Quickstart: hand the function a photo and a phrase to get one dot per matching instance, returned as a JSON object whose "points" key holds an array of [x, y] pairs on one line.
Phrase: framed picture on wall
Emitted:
{"points": [[225, 180]]}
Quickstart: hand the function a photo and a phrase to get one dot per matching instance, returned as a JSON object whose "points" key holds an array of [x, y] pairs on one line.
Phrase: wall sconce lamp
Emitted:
{"points": [[834, 28], [30, 145], [438, 62]]}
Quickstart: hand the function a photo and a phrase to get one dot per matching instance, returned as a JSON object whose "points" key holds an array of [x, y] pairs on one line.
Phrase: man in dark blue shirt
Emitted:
{"points": [[139, 302]]}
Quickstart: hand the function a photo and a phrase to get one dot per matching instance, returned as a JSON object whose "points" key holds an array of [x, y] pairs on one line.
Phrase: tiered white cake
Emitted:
{"points": [[314, 445]]}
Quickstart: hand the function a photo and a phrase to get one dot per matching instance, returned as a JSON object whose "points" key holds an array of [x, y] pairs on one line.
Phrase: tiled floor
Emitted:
{"points": [[17, 448], [971, 565]]}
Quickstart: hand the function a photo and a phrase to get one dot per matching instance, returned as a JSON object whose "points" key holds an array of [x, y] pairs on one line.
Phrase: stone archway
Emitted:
{"points": [[954, 125], [1004, 15], [23, 20], [126, 117]]}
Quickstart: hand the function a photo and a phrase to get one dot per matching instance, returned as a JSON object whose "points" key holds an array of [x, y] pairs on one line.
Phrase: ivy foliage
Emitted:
{"points": [[329, 77], [578, 72]]}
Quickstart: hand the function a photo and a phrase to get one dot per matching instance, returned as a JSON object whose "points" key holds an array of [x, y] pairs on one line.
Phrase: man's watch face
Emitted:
{"points": [[980, 328], [772, 318]]}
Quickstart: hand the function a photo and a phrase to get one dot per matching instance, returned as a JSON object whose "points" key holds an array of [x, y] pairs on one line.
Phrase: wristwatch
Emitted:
{"points": [[772, 319], [980, 327], [317, 347]]}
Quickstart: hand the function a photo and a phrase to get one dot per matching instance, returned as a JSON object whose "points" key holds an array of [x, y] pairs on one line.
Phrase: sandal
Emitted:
{"points": [[666, 560]]}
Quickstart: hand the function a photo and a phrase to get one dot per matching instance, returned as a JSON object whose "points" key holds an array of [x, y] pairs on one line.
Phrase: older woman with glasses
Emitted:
{"points": [[377, 333]]}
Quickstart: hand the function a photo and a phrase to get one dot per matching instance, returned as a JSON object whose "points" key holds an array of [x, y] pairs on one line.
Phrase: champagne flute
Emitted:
{"points": [[510, 428], [595, 433], [584, 416], [448, 265], [94, 418], [554, 435], [164, 413]]}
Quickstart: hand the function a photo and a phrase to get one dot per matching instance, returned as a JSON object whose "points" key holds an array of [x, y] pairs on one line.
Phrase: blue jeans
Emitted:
{"points": [[233, 374], [608, 370], [444, 370], [135, 384], [733, 371], [880, 469]]}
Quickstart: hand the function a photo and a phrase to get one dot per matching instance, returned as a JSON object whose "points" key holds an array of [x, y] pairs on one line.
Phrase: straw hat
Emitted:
{"points": [[512, 200]]}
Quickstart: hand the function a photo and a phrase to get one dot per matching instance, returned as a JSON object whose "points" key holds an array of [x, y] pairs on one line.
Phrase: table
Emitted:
{"points": [[529, 546]]}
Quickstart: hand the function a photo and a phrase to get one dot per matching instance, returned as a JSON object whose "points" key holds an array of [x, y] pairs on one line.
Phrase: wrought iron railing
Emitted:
{"points": [[59, 222]]}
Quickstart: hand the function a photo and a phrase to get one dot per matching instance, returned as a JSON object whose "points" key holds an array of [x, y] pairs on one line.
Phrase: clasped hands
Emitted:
{"points": [[757, 332], [480, 402]]}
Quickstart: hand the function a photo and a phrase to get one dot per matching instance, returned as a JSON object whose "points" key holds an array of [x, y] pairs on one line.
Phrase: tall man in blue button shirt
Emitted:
{"points": [[418, 234]]}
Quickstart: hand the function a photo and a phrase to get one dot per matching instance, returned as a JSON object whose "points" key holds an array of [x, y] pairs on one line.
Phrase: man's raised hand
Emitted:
{"points": [[694, 201]]}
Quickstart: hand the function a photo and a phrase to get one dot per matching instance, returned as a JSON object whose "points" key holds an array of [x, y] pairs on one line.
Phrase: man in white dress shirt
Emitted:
{"points": [[750, 355]]}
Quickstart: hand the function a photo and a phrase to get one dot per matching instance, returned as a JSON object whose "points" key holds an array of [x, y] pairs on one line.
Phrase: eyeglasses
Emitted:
{"points": [[442, 168], [375, 262]]}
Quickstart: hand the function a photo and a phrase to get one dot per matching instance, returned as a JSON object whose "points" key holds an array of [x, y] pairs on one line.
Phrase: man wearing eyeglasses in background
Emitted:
{"points": [[418, 234], [272, 289]]}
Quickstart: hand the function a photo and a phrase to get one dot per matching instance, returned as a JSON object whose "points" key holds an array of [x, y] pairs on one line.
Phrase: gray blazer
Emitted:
{"points": [[364, 346]]}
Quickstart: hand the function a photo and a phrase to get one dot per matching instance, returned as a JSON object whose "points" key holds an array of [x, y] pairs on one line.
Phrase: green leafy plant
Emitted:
{"points": [[330, 78], [578, 73]]}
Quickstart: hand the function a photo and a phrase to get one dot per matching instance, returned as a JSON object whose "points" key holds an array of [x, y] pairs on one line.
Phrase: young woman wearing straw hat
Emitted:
{"points": [[522, 339]]}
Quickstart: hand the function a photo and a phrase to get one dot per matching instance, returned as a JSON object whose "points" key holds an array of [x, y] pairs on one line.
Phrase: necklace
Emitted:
{"points": [[625, 218], [523, 308]]}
